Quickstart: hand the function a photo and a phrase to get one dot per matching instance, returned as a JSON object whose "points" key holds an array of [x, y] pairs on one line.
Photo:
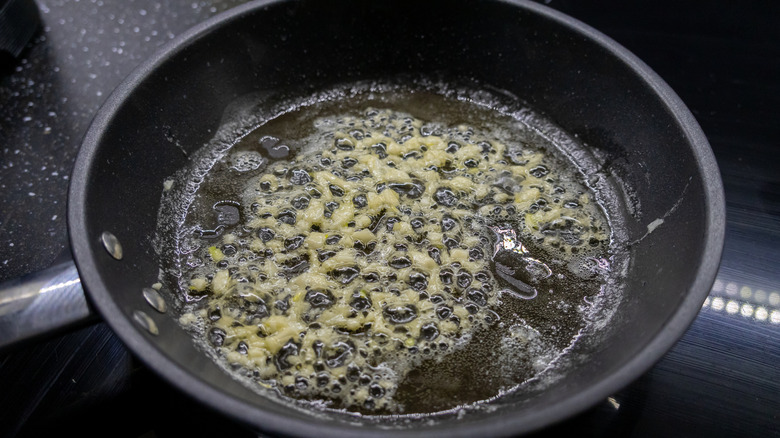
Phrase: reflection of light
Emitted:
{"points": [[59, 286], [613, 402], [508, 241], [744, 300], [27, 293], [747, 310]]}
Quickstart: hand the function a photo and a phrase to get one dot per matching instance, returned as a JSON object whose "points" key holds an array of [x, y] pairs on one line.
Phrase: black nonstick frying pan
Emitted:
{"points": [[646, 139]]}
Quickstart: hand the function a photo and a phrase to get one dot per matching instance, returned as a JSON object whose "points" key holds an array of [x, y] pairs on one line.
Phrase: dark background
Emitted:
{"points": [[721, 379]]}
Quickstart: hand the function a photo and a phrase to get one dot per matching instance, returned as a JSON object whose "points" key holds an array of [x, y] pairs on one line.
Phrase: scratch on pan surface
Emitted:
{"points": [[659, 221]]}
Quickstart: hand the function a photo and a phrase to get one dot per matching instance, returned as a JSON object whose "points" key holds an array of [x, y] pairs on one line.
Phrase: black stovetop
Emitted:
{"points": [[721, 379]]}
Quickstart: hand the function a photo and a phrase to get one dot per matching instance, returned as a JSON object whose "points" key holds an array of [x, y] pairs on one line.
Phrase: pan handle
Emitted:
{"points": [[42, 303]]}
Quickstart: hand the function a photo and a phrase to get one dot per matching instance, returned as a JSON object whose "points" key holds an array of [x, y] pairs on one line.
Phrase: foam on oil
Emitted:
{"points": [[545, 296]]}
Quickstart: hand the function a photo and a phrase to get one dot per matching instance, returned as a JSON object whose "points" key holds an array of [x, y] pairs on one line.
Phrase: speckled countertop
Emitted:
{"points": [[721, 379], [47, 101]]}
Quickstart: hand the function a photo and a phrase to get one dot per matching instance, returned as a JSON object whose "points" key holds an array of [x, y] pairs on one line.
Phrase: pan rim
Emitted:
{"points": [[660, 344]]}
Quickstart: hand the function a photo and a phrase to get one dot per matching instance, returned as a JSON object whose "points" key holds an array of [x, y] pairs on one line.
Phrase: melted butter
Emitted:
{"points": [[385, 260]]}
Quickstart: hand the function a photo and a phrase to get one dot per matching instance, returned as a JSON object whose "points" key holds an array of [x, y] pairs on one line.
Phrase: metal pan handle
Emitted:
{"points": [[42, 303]]}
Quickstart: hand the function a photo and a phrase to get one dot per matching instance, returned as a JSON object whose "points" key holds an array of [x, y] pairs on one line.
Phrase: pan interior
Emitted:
{"points": [[518, 342]]}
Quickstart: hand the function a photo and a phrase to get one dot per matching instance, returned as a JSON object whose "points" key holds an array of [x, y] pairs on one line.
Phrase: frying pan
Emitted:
{"points": [[646, 140]]}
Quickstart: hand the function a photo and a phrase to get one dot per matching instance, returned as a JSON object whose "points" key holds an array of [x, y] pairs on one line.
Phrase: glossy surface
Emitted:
{"points": [[721, 379]]}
